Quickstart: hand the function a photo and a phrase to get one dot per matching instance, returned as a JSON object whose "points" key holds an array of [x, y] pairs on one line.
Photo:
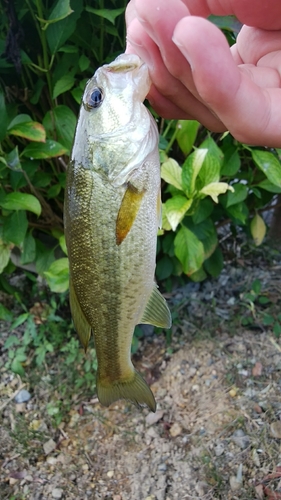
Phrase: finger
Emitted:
{"points": [[258, 13], [253, 43], [171, 88], [251, 113]]}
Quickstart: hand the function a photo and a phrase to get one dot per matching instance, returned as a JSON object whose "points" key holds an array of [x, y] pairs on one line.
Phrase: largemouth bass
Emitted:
{"points": [[112, 213]]}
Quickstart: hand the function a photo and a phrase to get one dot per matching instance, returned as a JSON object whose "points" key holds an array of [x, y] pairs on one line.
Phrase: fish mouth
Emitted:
{"points": [[125, 64]]}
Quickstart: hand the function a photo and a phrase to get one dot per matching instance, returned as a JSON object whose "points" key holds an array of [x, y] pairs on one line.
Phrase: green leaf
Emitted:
{"points": [[19, 320], [54, 191], [229, 23], [21, 118], [238, 193], [189, 250], [268, 186], [171, 173], [231, 162], [5, 252], [186, 135], [5, 314], [61, 10], [40, 151], [199, 275], [60, 124], [239, 212], [60, 31], [64, 84], [210, 171], [77, 94], [33, 131], [164, 268], [165, 224], [109, 14], [17, 367], [214, 264], [84, 62], [13, 160], [4, 116], [269, 164], [21, 201], [15, 227], [175, 209], [215, 189], [29, 250], [57, 275], [63, 244], [191, 169], [203, 210], [44, 257], [207, 234]]}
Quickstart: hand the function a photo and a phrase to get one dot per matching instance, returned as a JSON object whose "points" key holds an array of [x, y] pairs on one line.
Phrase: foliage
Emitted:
{"points": [[260, 310], [62, 43], [208, 180]]}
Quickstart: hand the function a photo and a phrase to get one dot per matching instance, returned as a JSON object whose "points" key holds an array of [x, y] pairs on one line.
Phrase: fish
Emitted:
{"points": [[112, 213]]}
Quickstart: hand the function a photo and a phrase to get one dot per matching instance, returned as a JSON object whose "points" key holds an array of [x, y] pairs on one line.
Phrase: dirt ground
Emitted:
{"points": [[216, 433]]}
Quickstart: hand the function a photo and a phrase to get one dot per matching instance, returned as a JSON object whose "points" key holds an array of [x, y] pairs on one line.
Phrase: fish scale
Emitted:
{"points": [[111, 223]]}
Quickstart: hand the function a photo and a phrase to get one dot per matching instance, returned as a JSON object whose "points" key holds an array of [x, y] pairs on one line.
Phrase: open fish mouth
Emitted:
{"points": [[118, 66]]}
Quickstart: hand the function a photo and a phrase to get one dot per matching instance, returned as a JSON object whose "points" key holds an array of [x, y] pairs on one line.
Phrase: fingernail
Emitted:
{"points": [[183, 50]]}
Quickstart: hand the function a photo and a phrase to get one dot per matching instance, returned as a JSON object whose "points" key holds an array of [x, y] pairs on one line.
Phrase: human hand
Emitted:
{"points": [[197, 76]]}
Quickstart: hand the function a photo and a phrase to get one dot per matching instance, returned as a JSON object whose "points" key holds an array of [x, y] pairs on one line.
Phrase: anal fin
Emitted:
{"points": [[81, 324], [156, 311]]}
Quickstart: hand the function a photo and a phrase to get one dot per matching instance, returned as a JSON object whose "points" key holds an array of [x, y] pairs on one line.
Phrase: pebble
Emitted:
{"points": [[219, 449], [275, 429], [22, 396], [153, 418], [232, 393], [175, 429], [162, 467], [57, 493], [241, 439], [110, 473], [234, 484], [202, 488], [49, 446]]}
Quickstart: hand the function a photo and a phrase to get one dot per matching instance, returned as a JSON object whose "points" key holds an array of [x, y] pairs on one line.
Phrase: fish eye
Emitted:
{"points": [[95, 99]]}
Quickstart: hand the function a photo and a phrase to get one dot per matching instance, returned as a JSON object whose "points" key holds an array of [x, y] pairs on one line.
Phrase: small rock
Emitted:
{"points": [[12, 481], [219, 449], [232, 393], [234, 484], [162, 467], [257, 369], [49, 446], [110, 473], [116, 497], [153, 418], [256, 458], [201, 488], [22, 396], [57, 493], [275, 429], [175, 429], [20, 407], [241, 439], [259, 491]]}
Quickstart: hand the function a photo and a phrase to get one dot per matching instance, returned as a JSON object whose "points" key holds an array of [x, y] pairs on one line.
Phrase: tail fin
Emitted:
{"points": [[135, 390]]}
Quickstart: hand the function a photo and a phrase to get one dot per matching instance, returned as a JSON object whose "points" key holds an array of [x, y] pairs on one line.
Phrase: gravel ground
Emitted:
{"points": [[217, 430]]}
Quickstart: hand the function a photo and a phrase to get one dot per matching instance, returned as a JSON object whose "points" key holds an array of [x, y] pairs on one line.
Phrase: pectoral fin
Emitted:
{"points": [[156, 311], [81, 324], [127, 212]]}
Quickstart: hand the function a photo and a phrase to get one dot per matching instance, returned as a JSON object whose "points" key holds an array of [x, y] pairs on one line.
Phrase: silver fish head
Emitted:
{"points": [[115, 94], [115, 130]]}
